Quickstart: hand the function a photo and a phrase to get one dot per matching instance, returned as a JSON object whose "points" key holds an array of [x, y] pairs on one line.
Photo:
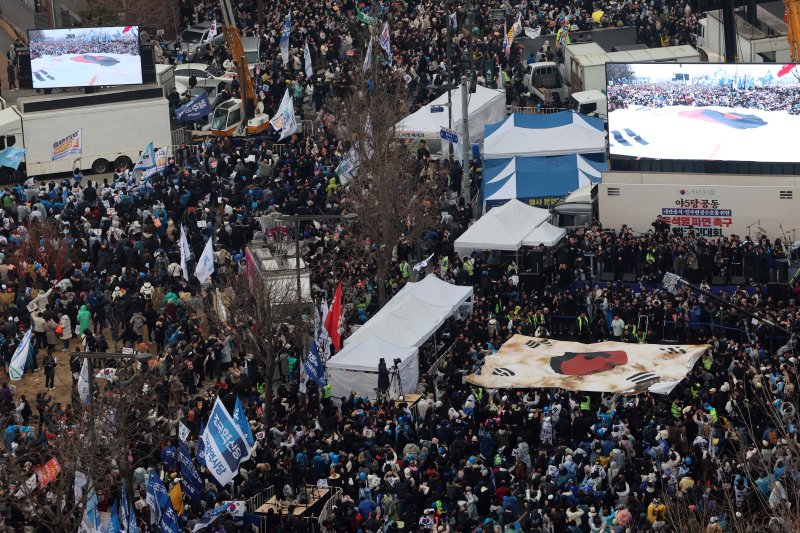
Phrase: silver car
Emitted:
{"points": [[195, 41]]}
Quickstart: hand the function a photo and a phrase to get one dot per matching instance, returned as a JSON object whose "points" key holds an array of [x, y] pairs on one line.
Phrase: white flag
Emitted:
{"points": [[27, 487], [147, 159], [422, 265], [83, 382], [212, 32], [284, 120], [307, 60], [20, 357], [183, 431], [386, 43], [185, 253], [205, 266], [368, 57]]}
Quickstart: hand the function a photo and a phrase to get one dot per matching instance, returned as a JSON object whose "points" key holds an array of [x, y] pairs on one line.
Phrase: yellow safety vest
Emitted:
{"points": [[582, 320], [326, 390]]}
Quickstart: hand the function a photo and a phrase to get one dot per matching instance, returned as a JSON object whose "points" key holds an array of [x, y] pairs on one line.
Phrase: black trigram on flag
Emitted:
{"points": [[622, 137], [673, 350], [534, 344], [642, 377]]}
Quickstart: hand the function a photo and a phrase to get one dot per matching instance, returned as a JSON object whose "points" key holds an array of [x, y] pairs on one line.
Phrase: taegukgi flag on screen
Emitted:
{"points": [[527, 362], [71, 144], [225, 445]]}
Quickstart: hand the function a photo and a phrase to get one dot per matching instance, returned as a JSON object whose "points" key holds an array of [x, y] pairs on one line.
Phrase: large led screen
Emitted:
{"points": [[85, 57], [704, 112]]}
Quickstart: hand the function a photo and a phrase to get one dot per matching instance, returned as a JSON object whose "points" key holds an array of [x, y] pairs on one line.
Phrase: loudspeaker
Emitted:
{"points": [[148, 63], [778, 291], [24, 74], [737, 280], [607, 276], [629, 277], [718, 280]]}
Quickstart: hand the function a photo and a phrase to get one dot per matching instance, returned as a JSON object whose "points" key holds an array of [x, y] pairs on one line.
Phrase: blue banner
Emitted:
{"points": [[159, 500], [12, 156], [192, 482], [225, 445], [196, 108], [241, 421], [210, 517], [313, 366]]}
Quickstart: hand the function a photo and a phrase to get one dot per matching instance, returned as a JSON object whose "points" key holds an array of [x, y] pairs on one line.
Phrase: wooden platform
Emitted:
{"points": [[317, 499]]}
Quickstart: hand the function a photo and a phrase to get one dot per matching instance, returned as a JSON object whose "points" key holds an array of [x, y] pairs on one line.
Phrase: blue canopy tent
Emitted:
{"points": [[538, 181]]}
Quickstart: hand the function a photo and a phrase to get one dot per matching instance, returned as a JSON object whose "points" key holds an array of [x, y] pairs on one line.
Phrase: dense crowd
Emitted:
{"points": [[775, 97], [58, 47], [96, 266]]}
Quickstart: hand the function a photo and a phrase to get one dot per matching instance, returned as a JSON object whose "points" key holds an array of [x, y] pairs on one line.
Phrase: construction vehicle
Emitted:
{"points": [[793, 21], [238, 116]]}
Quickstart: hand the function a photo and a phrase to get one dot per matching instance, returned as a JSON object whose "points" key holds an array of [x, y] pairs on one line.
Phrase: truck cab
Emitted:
{"points": [[576, 210], [545, 81], [592, 103]]}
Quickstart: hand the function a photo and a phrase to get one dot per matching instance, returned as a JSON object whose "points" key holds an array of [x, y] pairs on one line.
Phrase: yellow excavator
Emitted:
{"points": [[238, 116], [793, 21]]}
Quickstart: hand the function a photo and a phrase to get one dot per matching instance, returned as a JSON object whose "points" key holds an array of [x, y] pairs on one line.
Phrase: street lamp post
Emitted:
{"points": [[298, 219]]}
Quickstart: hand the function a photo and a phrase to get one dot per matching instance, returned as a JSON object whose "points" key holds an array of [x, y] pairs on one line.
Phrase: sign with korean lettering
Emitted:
{"points": [[699, 210], [196, 108]]}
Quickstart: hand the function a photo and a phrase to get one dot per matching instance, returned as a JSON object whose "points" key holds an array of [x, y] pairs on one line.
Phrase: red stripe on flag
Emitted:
{"points": [[786, 69], [333, 318], [127, 29]]}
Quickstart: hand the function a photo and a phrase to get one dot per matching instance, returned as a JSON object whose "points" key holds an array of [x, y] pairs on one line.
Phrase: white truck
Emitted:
{"points": [[115, 126], [586, 63], [710, 204], [545, 81]]}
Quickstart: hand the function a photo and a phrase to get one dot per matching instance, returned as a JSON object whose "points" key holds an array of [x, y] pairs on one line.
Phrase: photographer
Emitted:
{"points": [[383, 376]]}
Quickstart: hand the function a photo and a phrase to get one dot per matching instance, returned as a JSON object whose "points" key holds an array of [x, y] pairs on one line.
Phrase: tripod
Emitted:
{"points": [[395, 382]]}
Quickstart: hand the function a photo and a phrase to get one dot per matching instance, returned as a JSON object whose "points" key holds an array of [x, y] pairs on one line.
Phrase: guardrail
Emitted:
{"points": [[533, 110], [336, 496], [255, 502]]}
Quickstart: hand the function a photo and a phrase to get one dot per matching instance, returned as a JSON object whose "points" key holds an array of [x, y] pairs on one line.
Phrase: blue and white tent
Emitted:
{"points": [[541, 158], [561, 133], [538, 181]]}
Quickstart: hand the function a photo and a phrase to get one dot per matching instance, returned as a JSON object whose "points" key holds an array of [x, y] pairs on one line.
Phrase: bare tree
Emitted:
{"points": [[43, 254], [149, 15], [266, 318], [394, 194], [105, 443]]}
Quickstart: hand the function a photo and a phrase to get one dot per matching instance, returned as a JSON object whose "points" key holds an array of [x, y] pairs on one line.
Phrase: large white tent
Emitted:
{"points": [[356, 367], [485, 107], [563, 133], [503, 228], [404, 324]]}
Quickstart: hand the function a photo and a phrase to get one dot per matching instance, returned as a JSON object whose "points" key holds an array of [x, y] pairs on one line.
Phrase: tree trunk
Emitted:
{"points": [[268, 382]]}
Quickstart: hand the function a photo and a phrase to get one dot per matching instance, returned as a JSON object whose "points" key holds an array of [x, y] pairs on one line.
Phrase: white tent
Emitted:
{"points": [[485, 107], [546, 234], [544, 135], [356, 367], [502, 228], [397, 330], [435, 291]]}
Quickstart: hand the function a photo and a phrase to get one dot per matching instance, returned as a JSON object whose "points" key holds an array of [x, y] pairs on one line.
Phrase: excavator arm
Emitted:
{"points": [[793, 21], [237, 52]]}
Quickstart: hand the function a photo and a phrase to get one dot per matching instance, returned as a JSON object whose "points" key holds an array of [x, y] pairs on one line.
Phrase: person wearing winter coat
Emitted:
{"points": [[84, 320], [66, 329], [50, 334], [137, 324]]}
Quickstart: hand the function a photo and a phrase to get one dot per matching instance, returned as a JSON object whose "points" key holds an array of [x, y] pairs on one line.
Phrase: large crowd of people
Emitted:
{"points": [[772, 97], [716, 454], [59, 47]]}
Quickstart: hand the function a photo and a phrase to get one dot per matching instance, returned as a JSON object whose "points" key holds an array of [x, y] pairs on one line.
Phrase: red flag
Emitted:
{"points": [[334, 317], [127, 29], [786, 69]]}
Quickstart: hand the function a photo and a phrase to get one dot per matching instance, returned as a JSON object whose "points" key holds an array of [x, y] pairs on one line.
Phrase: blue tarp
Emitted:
{"points": [[538, 181]]}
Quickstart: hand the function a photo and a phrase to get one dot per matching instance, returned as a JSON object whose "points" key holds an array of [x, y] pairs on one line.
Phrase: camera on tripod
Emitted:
{"points": [[396, 362]]}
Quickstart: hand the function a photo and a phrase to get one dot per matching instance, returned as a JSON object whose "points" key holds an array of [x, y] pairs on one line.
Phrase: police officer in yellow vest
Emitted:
{"points": [[583, 328]]}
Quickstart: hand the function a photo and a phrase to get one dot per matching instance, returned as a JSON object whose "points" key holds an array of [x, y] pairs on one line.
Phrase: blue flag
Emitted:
{"points": [[210, 517], [114, 525], [241, 421], [285, 35], [127, 513], [313, 366], [197, 107], [192, 482], [12, 156], [160, 503], [201, 447], [225, 445]]}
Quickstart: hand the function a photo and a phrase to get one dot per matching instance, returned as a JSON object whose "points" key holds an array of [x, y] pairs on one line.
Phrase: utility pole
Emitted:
{"points": [[449, 72], [465, 146]]}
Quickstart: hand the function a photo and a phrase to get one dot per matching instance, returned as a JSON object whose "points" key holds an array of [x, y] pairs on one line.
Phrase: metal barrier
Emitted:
{"points": [[255, 502], [439, 360], [336, 496], [534, 110], [181, 136]]}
